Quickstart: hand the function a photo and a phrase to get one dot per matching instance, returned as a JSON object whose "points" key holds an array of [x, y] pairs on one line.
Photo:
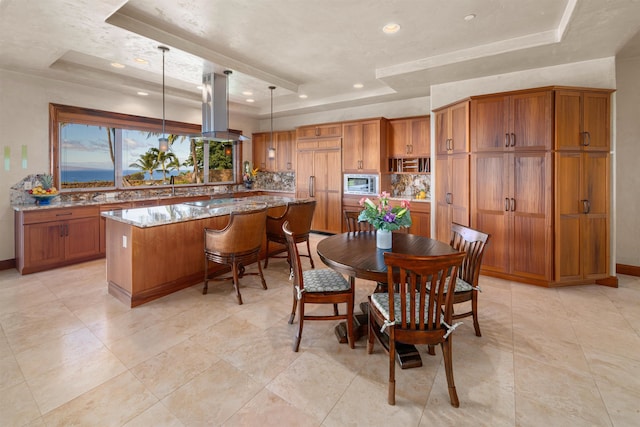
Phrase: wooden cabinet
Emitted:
{"points": [[259, 147], [511, 201], [103, 222], [409, 137], [319, 176], [451, 193], [452, 168], [521, 121], [364, 146], [330, 130], [51, 238], [582, 216], [285, 145], [582, 120], [452, 128]]}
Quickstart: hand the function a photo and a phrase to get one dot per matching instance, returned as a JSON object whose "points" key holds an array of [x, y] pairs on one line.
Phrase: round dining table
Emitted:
{"points": [[356, 255]]}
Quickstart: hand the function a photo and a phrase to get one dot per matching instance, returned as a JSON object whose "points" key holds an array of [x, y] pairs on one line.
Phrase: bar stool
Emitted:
{"points": [[236, 245]]}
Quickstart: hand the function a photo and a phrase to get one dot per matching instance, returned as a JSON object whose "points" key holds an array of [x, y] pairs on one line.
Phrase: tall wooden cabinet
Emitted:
{"points": [[319, 176], [452, 168], [582, 181], [540, 177]]}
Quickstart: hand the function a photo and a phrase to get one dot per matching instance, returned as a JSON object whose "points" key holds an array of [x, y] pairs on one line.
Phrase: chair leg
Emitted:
{"points": [[335, 310], [474, 309], [350, 335], [295, 305], [296, 343], [392, 369], [431, 350], [370, 336], [266, 256], [448, 366], [309, 252], [236, 282], [264, 284], [206, 276]]}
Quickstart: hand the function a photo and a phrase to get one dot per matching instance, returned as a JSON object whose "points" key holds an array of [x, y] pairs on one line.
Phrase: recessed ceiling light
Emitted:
{"points": [[251, 100], [247, 93], [143, 93], [117, 65], [391, 28], [470, 17], [302, 96], [141, 61], [358, 85]]}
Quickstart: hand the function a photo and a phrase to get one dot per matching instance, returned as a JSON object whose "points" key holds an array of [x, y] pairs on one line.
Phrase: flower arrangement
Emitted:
{"points": [[384, 217], [250, 176]]}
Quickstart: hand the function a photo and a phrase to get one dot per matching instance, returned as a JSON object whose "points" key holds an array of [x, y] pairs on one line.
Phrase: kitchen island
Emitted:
{"points": [[152, 252]]}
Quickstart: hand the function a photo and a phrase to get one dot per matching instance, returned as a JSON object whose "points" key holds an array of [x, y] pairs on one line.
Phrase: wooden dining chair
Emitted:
{"points": [[318, 286], [236, 245], [417, 311], [351, 220], [472, 243], [299, 215]]}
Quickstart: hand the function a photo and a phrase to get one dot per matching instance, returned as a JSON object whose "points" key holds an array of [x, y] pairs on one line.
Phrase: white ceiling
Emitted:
{"points": [[315, 47]]}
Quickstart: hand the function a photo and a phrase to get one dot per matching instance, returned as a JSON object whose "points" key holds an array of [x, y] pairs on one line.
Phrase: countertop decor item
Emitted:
{"points": [[249, 176], [385, 218], [44, 192]]}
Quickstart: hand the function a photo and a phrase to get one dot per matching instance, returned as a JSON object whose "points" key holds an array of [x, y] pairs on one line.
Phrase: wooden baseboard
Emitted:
{"points": [[631, 270], [8, 264]]}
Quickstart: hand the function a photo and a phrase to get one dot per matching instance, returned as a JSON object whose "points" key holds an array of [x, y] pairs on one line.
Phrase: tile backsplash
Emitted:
{"points": [[407, 185]]}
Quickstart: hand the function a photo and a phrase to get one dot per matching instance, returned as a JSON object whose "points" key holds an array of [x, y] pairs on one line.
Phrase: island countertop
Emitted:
{"points": [[161, 215]]}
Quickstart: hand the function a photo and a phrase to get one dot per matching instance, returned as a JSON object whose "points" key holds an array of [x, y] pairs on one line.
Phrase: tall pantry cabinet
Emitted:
{"points": [[318, 174], [582, 181], [452, 168], [540, 183]]}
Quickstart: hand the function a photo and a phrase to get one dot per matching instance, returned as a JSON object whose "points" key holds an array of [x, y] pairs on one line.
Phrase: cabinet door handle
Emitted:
{"points": [[312, 182], [586, 138], [506, 204], [66, 229], [61, 228], [288, 165], [506, 139], [513, 139], [513, 205], [586, 206], [64, 214], [449, 199]]}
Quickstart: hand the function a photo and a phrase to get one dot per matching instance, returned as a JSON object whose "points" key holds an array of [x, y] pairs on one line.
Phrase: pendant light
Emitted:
{"points": [[163, 141], [271, 153]]}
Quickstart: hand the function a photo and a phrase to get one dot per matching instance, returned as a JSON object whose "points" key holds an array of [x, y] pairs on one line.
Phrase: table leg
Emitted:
{"points": [[407, 355]]}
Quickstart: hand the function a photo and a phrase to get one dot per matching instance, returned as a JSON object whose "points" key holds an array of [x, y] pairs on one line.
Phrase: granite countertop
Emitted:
{"points": [[161, 215]]}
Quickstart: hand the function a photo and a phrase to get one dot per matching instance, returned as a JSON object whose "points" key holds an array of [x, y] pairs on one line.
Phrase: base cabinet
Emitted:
{"points": [[55, 237]]}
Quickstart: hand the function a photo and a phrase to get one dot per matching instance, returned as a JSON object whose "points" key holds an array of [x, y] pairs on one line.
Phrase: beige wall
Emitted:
{"points": [[627, 158]]}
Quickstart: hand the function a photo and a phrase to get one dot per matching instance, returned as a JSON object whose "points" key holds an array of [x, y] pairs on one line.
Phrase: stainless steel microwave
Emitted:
{"points": [[361, 184]]}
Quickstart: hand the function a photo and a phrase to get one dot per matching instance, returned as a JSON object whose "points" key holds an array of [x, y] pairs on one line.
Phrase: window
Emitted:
{"points": [[102, 150]]}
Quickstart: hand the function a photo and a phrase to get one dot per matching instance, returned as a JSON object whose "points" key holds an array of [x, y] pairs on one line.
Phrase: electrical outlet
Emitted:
{"points": [[27, 185], [124, 241]]}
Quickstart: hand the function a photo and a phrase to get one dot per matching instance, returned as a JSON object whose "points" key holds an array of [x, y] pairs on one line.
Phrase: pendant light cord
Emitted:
{"points": [[271, 88]]}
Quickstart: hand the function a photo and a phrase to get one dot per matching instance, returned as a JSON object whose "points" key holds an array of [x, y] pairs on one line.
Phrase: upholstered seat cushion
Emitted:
{"points": [[381, 302], [461, 286], [324, 280]]}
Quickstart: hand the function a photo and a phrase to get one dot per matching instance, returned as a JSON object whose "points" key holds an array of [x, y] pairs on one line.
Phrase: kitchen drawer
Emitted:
{"points": [[47, 215]]}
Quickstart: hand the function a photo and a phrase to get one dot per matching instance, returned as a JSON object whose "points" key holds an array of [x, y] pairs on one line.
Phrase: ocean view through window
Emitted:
{"points": [[94, 149]]}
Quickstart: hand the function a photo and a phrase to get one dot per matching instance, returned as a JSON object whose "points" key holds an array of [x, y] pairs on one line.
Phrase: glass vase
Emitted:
{"points": [[383, 239]]}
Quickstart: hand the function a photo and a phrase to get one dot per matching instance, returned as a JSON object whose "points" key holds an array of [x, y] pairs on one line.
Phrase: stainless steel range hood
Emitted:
{"points": [[215, 109]]}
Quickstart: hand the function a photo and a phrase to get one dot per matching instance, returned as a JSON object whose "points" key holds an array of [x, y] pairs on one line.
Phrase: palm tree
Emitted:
{"points": [[163, 157], [148, 162]]}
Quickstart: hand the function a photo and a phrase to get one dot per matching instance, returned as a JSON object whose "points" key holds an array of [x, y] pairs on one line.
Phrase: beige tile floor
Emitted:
{"points": [[70, 354]]}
